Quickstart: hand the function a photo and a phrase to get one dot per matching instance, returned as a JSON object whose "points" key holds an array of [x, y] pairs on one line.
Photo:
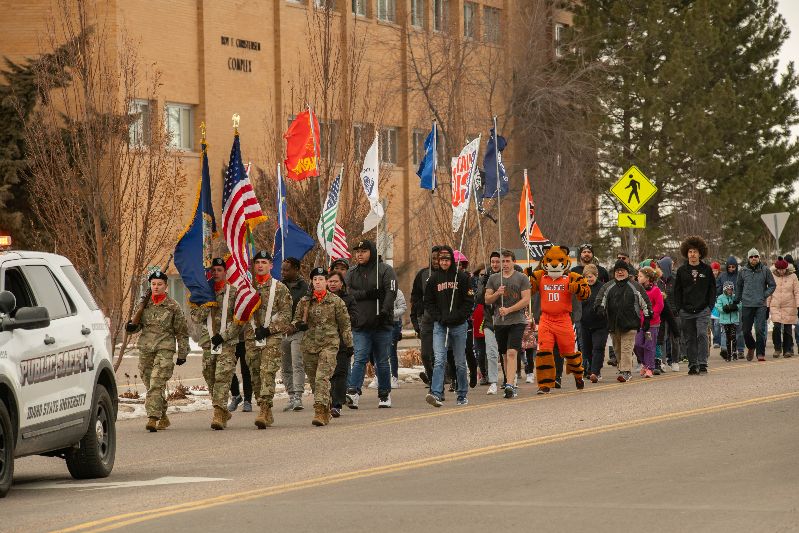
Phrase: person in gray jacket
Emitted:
{"points": [[755, 283]]}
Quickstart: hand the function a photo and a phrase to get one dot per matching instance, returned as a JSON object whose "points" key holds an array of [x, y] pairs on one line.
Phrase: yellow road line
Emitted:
{"points": [[127, 519]]}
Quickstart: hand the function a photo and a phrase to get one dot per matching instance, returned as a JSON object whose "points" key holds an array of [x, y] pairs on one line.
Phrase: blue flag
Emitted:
{"points": [[282, 216], [297, 246], [193, 251], [492, 188], [427, 166]]}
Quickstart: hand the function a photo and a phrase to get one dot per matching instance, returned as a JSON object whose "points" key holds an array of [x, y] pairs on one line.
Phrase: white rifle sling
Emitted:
{"points": [[268, 317], [223, 320]]}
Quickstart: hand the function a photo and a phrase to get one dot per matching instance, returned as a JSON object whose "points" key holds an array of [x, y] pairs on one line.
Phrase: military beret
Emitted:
{"points": [[157, 274], [263, 254], [217, 262], [318, 271]]}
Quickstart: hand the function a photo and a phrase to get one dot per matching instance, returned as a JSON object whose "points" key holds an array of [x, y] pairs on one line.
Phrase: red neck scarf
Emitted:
{"points": [[262, 279], [158, 299], [219, 285], [319, 295]]}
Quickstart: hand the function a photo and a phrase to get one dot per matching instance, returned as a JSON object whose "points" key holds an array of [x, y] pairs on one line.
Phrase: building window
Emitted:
{"points": [[560, 39], [491, 25], [325, 4], [418, 8], [179, 118], [388, 146], [140, 122], [469, 19], [440, 14], [363, 137], [387, 10], [359, 7], [418, 145]]}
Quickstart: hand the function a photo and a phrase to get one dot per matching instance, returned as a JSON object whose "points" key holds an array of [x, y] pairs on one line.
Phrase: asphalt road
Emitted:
{"points": [[674, 453]]}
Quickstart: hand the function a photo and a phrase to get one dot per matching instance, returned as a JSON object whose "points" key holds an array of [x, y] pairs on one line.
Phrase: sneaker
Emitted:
{"points": [[543, 390], [657, 371], [247, 407], [509, 391], [492, 389], [786, 355], [373, 384], [693, 371], [724, 354], [529, 378], [472, 379], [750, 354], [624, 377], [234, 403], [703, 369], [777, 354], [675, 367], [483, 382], [462, 401], [648, 373], [599, 377], [432, 400], [351, 399], [579, 383], [424, 378], [290, 405], [593, 378], [557, 383], [761, 358], [717, 346], [384, 403], [611, 362], [298, 403], [335, 412], [642, 372], [395, 382]]}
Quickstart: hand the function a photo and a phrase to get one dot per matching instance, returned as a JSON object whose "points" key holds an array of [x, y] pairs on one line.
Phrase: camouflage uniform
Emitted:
{"points": [[328, 324], [161, 325], [218, 368], [264, 361]]}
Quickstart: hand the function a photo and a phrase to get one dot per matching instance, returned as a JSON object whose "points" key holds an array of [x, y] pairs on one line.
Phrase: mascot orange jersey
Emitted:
{"points": [[556, 285]]}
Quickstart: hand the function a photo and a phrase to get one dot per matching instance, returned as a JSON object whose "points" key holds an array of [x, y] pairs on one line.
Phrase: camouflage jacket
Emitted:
{"points": [[281, 308], [161, 325], [328, 321], [200, 315]]}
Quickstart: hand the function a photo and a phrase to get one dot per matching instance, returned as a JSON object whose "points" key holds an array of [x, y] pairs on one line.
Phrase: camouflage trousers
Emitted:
{"points": [[155, 369], [264, 363], [319, 366], [218, 372]]}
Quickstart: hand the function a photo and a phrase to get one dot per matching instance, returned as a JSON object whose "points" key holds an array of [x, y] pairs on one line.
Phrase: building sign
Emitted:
{"points": [[237, 63]]}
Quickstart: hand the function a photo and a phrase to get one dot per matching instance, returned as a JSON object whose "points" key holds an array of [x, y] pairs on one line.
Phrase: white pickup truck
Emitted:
{"points": [[58, 395]]}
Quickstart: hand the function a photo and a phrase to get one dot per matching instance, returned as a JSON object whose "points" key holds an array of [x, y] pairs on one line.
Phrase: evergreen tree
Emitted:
{"points": [[19, 96], [695, 99]]}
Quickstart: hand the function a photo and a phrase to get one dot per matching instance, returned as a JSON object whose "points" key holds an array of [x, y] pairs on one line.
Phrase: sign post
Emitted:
{"points": [[775, 222], [634, 190]]}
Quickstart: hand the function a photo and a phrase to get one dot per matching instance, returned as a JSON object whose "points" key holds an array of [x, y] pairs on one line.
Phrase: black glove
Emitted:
{"points": [[386, 317], [733, 307], [261, 333], [301, 326], [726, 308], [373, 294], [180, 361], [216, 340], [528, 271], [645, 326], [130, 327]]}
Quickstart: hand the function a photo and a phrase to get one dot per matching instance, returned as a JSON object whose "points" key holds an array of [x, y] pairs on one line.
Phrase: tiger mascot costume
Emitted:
{"points": [[556, 284]]}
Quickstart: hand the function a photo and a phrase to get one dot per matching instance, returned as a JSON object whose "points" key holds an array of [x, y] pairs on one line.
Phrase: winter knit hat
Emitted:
{"points": [[781, 264], [715, 265], [621, 265], [753, 253], [728, 285]]}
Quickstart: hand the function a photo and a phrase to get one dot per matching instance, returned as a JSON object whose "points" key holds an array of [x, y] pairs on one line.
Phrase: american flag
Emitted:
{"points": [[327, 220], [338, 248], [240, 212]]}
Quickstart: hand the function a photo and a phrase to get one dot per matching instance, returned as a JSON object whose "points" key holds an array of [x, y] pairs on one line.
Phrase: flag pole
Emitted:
{"points": [[377, 229], [318, 173], [499, 202], [527, 230], [281, 215], [432, 193], [486, 262]]}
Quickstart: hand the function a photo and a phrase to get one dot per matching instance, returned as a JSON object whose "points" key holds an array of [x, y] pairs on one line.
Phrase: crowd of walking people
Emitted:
{"points": [[489, 327]]}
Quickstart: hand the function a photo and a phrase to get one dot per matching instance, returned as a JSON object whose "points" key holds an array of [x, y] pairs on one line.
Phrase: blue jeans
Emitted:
{"points": [[457, 342], [716, 324], [754, 316], [396, 333], [371, 341]]}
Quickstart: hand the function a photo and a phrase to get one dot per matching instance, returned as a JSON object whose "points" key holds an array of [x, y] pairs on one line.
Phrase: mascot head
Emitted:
{"points": [[556, 261]]}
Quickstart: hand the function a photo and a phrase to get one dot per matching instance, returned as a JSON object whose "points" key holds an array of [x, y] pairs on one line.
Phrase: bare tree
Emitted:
{"points": [[103, 197]]}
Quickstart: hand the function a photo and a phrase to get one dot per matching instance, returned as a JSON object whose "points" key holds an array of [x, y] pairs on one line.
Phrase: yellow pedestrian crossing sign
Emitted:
{"points": [[632, 220], [633, 189]]}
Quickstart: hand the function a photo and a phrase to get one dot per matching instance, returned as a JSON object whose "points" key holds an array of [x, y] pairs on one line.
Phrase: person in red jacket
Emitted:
{"points": [[646, 341]]}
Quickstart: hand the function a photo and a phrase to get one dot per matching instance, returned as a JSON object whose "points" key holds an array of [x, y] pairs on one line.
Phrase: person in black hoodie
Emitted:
{"points": [[373, 285], [422, 323], [694, 296], [593, 327], [448, 298]]}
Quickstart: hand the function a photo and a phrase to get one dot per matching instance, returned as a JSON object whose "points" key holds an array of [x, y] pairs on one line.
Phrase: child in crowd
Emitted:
{"points": [[729, 317], [644, 347]]}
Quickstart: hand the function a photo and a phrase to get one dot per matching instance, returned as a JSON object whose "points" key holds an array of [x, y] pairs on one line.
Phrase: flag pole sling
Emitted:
{"points": [[463, 234], [499, 204], [527, 230]]}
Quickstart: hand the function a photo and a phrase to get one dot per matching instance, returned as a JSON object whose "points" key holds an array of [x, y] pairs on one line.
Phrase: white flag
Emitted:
{"points": [[463, 168], [369, 177]]}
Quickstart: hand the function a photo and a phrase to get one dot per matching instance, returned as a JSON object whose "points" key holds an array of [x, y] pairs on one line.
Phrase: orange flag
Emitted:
{"points": [[529, 231], [302, 144]]}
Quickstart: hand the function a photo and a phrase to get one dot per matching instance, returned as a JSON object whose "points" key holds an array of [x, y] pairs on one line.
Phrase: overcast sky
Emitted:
{"points": [[790, 50]]}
